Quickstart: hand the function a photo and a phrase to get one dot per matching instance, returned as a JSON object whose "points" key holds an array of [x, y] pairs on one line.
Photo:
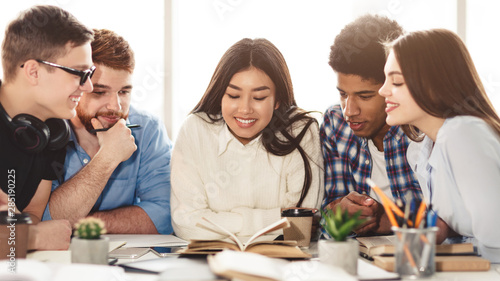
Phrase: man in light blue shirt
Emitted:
{"points": [[120, 175]]}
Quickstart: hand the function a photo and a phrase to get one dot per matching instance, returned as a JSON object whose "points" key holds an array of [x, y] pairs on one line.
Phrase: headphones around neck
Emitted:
{"points": [[33, 135]]}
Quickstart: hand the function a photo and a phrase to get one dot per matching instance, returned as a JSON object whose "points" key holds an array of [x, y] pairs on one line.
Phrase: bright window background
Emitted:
{"points": [[483, 42], [202, 30], [303, 31]]}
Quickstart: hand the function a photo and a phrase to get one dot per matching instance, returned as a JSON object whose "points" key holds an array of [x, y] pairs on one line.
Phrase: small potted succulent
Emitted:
{"points": [[87, 245], [340, 250]]}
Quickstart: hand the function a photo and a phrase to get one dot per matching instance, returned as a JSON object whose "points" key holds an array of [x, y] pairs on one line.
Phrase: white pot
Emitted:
{"points": [[94, 251], [343, 254]]}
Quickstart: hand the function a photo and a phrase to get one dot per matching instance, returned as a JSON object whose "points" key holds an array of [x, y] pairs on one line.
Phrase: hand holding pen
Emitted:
{"points": [[117, 143], [130, 126]]}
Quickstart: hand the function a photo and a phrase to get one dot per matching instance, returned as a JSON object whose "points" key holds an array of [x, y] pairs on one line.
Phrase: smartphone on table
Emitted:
{"points": [[166, 251], [128, 253]]}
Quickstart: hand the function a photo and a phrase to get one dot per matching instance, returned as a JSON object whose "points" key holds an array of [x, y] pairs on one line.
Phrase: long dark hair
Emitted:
{"points": [[277, 137], [442, 78]]}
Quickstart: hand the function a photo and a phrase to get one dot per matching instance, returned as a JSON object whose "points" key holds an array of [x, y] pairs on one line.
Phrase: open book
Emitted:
{"points": [[249, 267], [270, 248], [384, 246]]}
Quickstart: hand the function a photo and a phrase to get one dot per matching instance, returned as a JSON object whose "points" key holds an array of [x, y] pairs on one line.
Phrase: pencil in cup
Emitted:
{"points": [[386, 203], [420, 214], [421, 250]]}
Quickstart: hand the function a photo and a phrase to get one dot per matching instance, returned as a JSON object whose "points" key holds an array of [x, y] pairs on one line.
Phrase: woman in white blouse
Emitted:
{"points": [[433, 87], [246, 151]]}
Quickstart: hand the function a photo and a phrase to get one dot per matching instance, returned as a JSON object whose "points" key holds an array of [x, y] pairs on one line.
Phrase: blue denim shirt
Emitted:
{"points": [[143, 180]]}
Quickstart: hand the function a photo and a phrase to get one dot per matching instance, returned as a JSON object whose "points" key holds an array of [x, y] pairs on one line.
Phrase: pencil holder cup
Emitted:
{"points": [[415, 250]]}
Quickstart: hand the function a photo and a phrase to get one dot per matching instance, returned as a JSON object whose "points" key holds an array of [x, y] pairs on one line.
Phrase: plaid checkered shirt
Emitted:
{"points": [[348, 161]]}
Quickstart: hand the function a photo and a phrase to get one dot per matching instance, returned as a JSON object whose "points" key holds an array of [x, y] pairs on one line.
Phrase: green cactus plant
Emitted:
{"points": [[340, 224], [89, 228]]}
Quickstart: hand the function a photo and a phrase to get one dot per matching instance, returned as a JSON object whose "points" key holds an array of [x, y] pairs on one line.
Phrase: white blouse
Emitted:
{"points": [[240, 187], [461, 177]]}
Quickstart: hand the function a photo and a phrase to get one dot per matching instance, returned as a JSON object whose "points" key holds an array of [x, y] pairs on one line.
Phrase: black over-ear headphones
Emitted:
{"points": [[33, 135]]}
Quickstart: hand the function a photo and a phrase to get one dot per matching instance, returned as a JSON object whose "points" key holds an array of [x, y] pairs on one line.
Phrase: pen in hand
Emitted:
{"points": [[130, 126]]}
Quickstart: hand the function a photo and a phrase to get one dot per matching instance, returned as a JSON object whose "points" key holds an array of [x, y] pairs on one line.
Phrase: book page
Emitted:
{"points": [[251, 266], [225, 231], [282, 223], [278, 249], [373, 241], [211, 245], [262, 238]]}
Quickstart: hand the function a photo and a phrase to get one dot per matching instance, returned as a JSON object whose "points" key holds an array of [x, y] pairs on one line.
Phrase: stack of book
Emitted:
{"points": [[449, 257]]}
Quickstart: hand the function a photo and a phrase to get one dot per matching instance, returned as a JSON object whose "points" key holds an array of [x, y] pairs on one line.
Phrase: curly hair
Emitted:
{"points": [[358, 49]]}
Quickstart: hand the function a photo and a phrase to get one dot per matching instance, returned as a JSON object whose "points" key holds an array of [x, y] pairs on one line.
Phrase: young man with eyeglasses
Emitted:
{"points": [[121, 176], [47, 63]]}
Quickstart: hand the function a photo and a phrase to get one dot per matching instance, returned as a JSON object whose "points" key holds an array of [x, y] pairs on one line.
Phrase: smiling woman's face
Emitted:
{"points": [[401, 108], [248, 104]]}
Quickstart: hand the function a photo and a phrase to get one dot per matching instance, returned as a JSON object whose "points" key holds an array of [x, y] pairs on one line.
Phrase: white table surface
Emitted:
{"points": [[64, 257]]}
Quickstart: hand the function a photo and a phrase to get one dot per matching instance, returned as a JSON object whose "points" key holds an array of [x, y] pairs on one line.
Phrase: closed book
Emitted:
{"points": [[371, 246], [443, 263]]}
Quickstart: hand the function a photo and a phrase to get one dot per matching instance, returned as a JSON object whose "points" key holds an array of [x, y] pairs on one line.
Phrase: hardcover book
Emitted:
{"points": [[384, 246], [270, 248], [443, 263]]}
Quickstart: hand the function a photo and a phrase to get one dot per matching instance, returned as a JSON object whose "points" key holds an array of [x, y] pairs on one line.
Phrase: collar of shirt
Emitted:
{"points": [[394, 133], [430, 146], [226, 138]]}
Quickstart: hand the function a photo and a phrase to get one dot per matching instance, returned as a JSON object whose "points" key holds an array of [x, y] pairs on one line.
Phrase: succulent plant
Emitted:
{"points": [[89, 228], [340, 224]]}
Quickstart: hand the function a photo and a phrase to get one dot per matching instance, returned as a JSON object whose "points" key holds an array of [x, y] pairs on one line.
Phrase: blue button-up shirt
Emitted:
{"points": [[143, 180]]}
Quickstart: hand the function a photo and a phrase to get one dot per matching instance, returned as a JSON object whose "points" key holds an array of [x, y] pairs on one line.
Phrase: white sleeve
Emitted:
{"points": [[474, 156], [189, 198]]}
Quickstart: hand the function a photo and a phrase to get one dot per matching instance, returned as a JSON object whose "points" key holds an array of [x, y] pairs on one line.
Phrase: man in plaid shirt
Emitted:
{"points": [[357, 142]]}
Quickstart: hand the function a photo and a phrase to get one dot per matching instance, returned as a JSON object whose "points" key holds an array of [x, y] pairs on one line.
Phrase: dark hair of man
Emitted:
{"points": [[358, 48], [442, 78], [111, 50], [277, 137], [40, 32]]}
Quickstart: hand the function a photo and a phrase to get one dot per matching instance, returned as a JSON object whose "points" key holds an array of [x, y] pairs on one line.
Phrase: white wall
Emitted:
{"points": [[202, 30]]}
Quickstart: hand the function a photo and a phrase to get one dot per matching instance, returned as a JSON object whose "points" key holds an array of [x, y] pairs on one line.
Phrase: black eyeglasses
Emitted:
{"points": [[84, 74]]}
